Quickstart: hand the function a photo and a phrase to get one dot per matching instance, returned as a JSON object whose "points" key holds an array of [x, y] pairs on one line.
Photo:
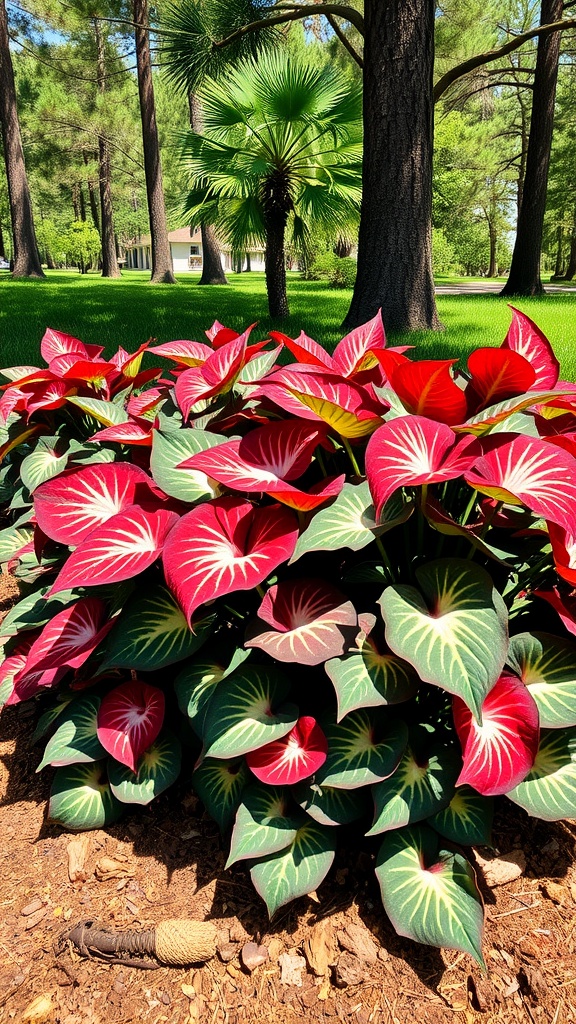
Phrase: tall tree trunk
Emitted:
{"points": [[524, 135], [81, 201], [524, 277], [212, 269], [493, 266], [109, 264], [162, 270], [92, 195], [275, 265], [571, 268], [559, 264], [25, 247], [395, 239], [2, 249], [75, 202], [248, 267]]}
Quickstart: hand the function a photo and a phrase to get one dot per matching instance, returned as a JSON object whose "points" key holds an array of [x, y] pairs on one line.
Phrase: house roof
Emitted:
{"points": [[179, 235]]}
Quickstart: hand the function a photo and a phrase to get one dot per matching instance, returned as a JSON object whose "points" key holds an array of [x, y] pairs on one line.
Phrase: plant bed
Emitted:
{"points": [[353, 575]]}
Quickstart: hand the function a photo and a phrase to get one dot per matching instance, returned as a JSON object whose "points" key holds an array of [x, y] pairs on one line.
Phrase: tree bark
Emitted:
{"points": [[25, 247], [162, 269], [92, 196], [395, 238], [524, 277], [571, 268], [275, 266], [493, 265], [212, 269], [109, 263], [559, 264], [81, 201], [2, 248]]}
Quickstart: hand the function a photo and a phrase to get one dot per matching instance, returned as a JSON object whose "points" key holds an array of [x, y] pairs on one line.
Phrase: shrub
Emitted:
{"points": [[339, 271], [353, 575]]}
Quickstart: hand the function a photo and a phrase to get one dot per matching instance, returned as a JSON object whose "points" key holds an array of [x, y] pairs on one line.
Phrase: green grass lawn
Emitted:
{"points": [[127, 311]]}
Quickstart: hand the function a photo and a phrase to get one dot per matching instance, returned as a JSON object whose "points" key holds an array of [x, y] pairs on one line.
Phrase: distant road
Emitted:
{"points": [[489, 288]]}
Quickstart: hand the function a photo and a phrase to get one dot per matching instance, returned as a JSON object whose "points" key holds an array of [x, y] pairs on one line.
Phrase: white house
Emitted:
{"points": [[186, 249]]}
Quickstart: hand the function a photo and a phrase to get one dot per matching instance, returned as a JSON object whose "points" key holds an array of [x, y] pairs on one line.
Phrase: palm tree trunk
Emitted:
{"points": [[275, 264], [212, 269], [162, 269], [524, 277], [25, 247], [395, 239], [109, 263]]}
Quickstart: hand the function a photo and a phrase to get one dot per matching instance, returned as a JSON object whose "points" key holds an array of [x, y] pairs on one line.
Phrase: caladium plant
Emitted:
{"points": [[340, 590]]}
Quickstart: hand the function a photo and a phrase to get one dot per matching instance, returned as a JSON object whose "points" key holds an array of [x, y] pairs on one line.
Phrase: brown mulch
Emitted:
{"points": [[170, 863]]}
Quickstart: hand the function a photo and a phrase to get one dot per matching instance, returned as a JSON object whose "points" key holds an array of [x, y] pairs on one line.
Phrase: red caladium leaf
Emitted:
{"points": [[295, 757], [347, 408], [413, 450], [564, 552], [185, 353], [526, 470], [118, 550], [499, 753], [129, 363], [427, 388], [529, 341], [55, 343], [32, 683], [226, 545], [13, 400], [93, 371], [125, 433], [214, 377], [497, 374], [69, 638], [139, 405], [216, 328], [223, 336], [69, 507], [563, 604], [311, 622], [129, 720], [25, 684], [51, 395], [357, 351], [306, 350], [566, 441]]}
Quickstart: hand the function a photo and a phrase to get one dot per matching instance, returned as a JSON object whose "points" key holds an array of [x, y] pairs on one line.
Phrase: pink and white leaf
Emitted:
{"points": [[51, 395], [125, 433], [293, 758], [529, 341], [129, 720], [305, 349], [527, 470], [498, 754], [564, 552], [185, 353], [413, 450], [71, 635], [356, 352], [55, 343], [226, 545], [311, 622], [70, 506], [121, 548]]}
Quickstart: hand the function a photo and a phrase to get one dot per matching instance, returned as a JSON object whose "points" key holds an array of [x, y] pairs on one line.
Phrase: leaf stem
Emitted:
{"points": [[351, 456], [469, 508], [385, 559]]}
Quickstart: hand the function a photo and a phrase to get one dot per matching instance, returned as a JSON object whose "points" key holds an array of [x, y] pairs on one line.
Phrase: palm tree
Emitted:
{"points": [[280, 149]]}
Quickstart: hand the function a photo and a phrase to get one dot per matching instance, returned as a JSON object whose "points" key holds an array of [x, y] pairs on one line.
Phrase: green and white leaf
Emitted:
{"points": [[416, 790], [349, 522], [245, 712], [219, 784], [456, 635], [48, 717], [169, 449], [467, 819], [367, 572], [362, 749], [47, 460], [547, 664], [297, 870], [366, 678], [252, 373], [75, 739], [81, 798], [330, 806], [107, 413], [152, 632], [196, 684], [549, 791], [159, 767], [429, 893], [263, 824], [12, 540]]}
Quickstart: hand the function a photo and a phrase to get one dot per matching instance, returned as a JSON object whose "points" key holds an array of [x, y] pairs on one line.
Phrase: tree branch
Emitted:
{"points": [[344, 40], [459, 70], [293, 13]]}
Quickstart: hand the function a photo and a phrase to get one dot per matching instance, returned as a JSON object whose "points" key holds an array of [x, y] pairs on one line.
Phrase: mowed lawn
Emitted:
{"points": [[130, 310]]}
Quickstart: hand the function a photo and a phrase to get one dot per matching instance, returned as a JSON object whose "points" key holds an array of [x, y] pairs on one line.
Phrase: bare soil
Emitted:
{"points": [[170, 863]]}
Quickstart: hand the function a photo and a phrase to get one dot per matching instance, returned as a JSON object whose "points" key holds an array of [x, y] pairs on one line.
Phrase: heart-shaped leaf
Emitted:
{"points": [[420, 786], [311, 622], [330, 806], [263, 824], [246, 712], [364, 748], [70, 636], [220, 785], [152, 632], [297, 870], [223, 546], [412, 450], [196, 684], [159, 767], [348, 409], [169, 450], [81, 799], [549, 790], [294, 757], [529, 341], [500, 752], [56, 343], [48, 459], [467, 820], [547, 665], [355, 352], [75, 739], [129, 720], [72, 505], [497, 374], [106, 413], [429, 893], [12, 540], [456, 636], [427, 388], [367, 677]]}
